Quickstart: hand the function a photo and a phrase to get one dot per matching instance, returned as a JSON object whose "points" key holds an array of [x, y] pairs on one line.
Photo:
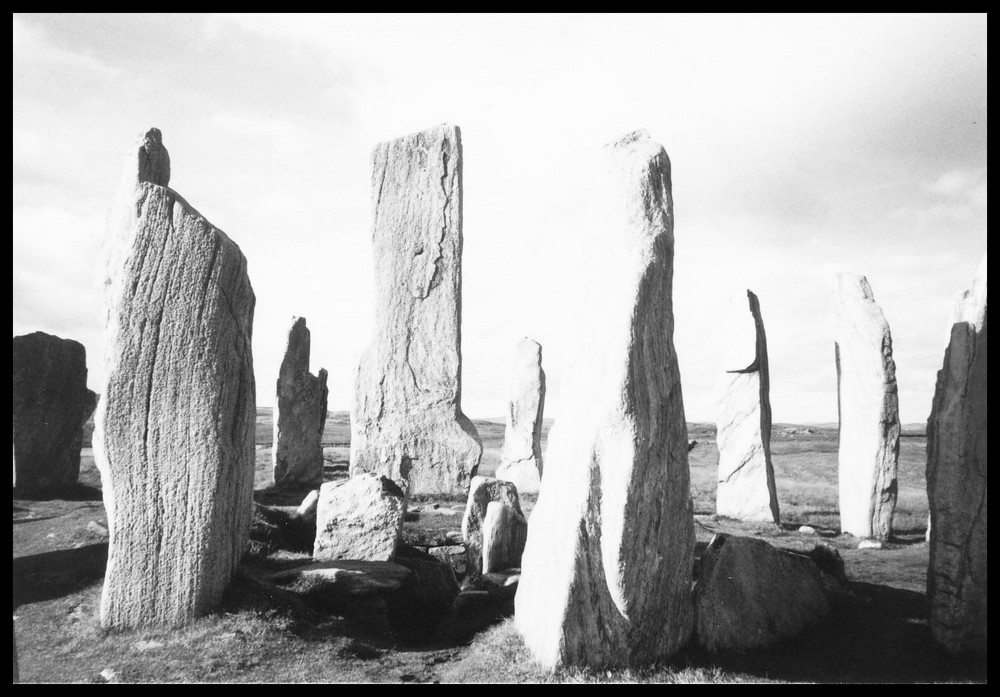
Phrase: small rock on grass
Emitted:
{"points": [[807, 530], [870, 544]]}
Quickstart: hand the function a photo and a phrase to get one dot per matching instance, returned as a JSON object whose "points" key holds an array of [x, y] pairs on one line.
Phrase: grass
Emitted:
{"points": [[879, 634]]}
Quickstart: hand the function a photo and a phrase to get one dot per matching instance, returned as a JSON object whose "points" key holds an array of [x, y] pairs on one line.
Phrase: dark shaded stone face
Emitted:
{"points": [[51, 403]]}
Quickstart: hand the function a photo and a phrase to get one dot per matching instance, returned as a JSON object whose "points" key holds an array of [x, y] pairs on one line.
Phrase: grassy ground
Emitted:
{"points": [[878, 635]]}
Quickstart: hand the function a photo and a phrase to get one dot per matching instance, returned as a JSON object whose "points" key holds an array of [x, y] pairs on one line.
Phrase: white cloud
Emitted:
{"points": [[31, 44]]}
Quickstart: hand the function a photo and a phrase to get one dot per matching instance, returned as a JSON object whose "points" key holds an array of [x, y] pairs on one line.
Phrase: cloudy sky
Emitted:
{"points": [[800, 146]]}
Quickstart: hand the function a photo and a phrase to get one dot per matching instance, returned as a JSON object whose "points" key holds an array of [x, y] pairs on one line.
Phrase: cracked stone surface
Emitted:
{"points": [[51, 403], [956, 480], [299, 413], [606, 571], [868, 409], [746, 489], [174, 437], [521, 458], [407, 420]]}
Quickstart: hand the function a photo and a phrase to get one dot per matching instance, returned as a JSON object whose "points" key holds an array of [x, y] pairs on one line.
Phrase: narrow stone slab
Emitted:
{"points": [[174, 436], [868, 410], [743, 417], [51, 403], [606, 572], [407, 420], [482, 492], [504, 535], [521, 458], [359, 518], [299, 413], [956, 480]]}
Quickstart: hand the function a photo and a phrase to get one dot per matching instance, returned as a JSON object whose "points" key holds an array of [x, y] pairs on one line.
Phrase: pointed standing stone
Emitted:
{"points": [[606, 572], [407, 419], [956, 480], [174, 436], [868, 410], [743, 418], [521, 459], [51, 403], [299, 413]]}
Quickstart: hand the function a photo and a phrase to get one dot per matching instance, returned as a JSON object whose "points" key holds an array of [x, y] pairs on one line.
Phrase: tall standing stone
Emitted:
{"points": [[521, 458], [51, 403], [299, 413], [407, 418], [175, 426], [868, 410], [956, 480], [606, 572], [743, 419]]}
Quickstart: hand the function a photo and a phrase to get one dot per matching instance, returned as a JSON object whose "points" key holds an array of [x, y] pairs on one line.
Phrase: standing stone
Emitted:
{"points": [[868, 410], [299, 413], [606, 572], [504, 535], [359, 518], [482, 492], [956, 480], [743, 419], [51, 403], [521, 459], [174, 436], [407, 420]]}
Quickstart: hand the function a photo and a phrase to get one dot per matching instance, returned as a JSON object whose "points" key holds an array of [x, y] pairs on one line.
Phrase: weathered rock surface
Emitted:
{"points": [[51, 403], [521, 458], [359, 518], [427, 595], [956, 480], [482, 492], [299, 413], [307, 509], [174, 436], [407, 419], [868, 410], [606, 572], [504, 534], [746, 488], [750, 595]]}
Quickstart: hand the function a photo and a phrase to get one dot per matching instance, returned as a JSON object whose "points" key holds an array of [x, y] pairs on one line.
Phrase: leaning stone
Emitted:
{"points": [[174, 437], [750, 595], [868, 409], [521, 458], [504, 534], [746, 488], [606, 572], [307, 509], [360, 518], [956, 480], [299, 413], [482, 492], [51, 403], [407, 420]]}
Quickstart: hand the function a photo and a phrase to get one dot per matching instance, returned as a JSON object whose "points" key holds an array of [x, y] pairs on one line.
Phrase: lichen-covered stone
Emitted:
{"points": [[868, 409], [51, 403], [606, 572], [956, 480], [299, 413], [746, 488], [407, 420], [174, 437], [521, 458]]}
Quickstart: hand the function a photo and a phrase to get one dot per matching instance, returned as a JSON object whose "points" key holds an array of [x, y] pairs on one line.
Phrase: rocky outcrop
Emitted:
{"points": [[299, 413], [606, 572], [360, 518], [743, 417], [956, 480], [51, 403], [521, 458], [407, 420], [868, 410], [750, 595], [508, 541], [174, 436]]}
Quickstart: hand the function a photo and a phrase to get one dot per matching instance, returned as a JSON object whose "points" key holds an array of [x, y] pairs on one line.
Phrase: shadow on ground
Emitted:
{"points": [[52, 575]]}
